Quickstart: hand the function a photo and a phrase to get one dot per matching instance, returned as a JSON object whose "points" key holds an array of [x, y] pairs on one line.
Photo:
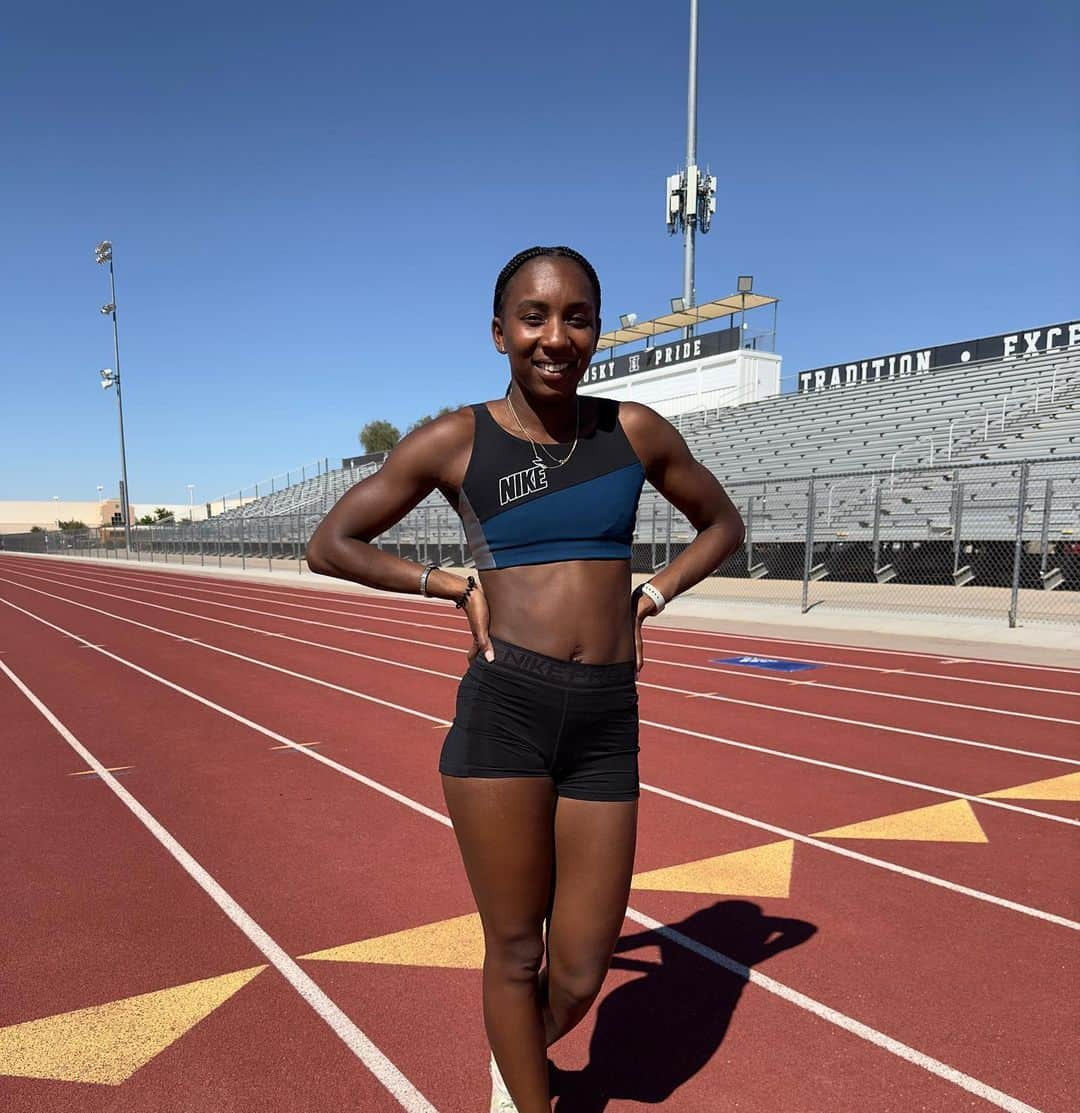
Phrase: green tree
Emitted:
{"points": [[162, 515], [147, 520], [431, 417], [73, 523], [379, 436], [36, 529]]}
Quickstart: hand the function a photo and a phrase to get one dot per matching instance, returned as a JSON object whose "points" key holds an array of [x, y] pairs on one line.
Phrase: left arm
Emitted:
{"points": [[695, 492]]}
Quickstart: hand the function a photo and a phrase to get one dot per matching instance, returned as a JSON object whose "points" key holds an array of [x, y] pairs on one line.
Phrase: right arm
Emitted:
{"points": [[430, 457]]}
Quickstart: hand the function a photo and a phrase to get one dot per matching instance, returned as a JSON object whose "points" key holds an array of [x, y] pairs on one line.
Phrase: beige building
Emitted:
{"points": [[21, 517]]}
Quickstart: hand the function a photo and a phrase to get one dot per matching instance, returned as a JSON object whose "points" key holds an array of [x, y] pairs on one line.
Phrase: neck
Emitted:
{"points": [[557, 417]]}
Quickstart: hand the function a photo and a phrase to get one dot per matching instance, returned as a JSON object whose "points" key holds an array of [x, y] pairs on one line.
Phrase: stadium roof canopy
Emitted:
{"points": [[707, 311]]}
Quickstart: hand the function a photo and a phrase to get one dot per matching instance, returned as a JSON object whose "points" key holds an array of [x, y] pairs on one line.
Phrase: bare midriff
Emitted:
{"points": [[575, 610]]}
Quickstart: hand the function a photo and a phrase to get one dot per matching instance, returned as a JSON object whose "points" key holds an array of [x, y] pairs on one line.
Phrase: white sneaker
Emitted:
{"points": [[501, 1101]]}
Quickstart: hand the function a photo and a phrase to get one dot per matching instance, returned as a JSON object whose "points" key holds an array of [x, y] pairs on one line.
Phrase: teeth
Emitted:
{"points": [[554, 367]]}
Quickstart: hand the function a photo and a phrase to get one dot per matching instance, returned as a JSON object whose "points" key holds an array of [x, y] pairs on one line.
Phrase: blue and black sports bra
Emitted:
{"points": [[516, 511]]}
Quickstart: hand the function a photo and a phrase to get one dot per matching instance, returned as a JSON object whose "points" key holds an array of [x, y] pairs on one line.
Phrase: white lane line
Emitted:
{"points": [[239, 656], [757, 675], [737, 650], [406, 1094], [769, 985], [1005, 805], [843, 852], [456, 649], [840, 1020], [330, 762], [178, 576], [651, 641], [847, 852], [863, 723], [970, 797]]}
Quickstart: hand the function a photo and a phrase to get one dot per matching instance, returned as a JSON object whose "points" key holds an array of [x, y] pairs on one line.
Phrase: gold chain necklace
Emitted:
{"points": [[556, 462]]}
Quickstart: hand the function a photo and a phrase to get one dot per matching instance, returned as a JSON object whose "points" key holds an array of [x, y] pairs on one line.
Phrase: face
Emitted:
{"points": [[548, 327]]}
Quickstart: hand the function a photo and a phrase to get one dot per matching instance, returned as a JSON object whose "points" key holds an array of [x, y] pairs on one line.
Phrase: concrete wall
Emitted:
{"points": [[21, 517]]}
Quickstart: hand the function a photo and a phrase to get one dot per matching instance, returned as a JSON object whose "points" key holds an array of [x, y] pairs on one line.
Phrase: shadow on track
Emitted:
{"points": [[655, 1032]]}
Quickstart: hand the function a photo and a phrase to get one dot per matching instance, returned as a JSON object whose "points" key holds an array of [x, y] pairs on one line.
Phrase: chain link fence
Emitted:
{"points": [[988, 541]]}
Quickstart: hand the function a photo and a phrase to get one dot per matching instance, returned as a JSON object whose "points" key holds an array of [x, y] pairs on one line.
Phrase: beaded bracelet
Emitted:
{"points": [[463, 598]]}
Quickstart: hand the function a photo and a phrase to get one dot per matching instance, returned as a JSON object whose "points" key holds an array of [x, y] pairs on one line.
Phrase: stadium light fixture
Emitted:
{"points": [[627, 319], [746, 284], [678, 305], [103, 254]]}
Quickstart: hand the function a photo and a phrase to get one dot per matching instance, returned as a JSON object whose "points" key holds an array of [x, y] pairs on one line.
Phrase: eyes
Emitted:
{"points": [[576, 320]]}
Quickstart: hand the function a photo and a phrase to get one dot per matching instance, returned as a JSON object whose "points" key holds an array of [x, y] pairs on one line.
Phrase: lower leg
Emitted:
{"points": [[504, 829], [515, 1029], [594, 863]]}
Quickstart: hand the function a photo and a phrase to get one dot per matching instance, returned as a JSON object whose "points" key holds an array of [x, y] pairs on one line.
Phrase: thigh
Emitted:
{"points": [[594, 861], [504, 827]]}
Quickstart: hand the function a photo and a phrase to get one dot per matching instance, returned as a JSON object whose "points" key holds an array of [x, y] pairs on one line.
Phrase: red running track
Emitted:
{"points": [[963, 959]]}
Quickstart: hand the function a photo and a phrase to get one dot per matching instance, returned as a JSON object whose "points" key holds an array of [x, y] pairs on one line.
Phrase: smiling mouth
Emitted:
{"points": [[553, 368]]}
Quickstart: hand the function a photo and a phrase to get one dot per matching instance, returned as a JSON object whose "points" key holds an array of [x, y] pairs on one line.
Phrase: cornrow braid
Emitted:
{"points": [[530, 253]]}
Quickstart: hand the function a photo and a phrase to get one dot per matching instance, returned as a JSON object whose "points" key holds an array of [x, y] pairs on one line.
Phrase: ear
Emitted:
{"points": [[497, 335]]}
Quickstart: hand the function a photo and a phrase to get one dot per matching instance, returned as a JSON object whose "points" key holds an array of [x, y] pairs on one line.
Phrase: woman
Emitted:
{"points": [[540, 767]]}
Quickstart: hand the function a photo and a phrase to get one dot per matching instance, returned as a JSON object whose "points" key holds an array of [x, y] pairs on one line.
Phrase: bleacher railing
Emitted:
{"points": [[982, 541]]}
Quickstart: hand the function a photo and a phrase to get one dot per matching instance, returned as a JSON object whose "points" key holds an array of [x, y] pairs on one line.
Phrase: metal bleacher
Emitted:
{"points": [[898, 441]]}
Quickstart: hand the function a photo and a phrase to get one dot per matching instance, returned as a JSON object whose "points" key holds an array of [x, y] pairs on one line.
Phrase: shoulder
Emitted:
{"points": [[436, 447], [651, 436]]}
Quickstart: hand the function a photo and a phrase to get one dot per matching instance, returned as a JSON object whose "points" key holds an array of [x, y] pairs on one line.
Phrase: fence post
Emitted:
{"points": [[667, 544], [877, 526], [957, 521], [749, 542], [652, 554], [808, 555], [243, 558], [269, 543], [1018, 548], [299, 547], [1044, 535]]}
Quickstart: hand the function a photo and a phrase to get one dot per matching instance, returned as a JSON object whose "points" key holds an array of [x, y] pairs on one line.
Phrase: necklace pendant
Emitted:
{"points": [[538, 463]]}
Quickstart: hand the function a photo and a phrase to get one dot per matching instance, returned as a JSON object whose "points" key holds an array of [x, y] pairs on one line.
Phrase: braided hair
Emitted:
{"points": [[530, 253]]}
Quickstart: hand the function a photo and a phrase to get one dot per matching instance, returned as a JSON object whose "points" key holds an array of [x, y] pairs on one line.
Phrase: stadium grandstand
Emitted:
{"points": [[956, 465]]}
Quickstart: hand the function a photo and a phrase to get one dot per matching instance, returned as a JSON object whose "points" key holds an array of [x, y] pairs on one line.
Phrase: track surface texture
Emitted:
{"points": [[230, 883]]}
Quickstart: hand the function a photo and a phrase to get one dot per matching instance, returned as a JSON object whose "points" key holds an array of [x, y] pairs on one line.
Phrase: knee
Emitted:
{"points": [[577, 979], [514, 956]]}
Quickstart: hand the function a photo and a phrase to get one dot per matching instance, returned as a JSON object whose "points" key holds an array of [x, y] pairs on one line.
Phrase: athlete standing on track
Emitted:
{"points": [[540, 766]]}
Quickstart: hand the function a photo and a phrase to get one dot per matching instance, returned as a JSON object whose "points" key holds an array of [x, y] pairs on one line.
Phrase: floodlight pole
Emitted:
{"points": [[690, 226], [105, 255]]}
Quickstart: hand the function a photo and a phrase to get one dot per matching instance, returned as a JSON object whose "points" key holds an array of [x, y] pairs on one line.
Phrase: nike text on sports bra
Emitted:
{"points": [[517, 511]]}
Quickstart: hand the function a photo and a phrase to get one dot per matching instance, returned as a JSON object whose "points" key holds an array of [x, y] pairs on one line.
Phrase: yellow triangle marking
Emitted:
{"points": [[93, 772], [951, 822], [457, 943], [761, 871], [109, 1043], [1056, 788]]}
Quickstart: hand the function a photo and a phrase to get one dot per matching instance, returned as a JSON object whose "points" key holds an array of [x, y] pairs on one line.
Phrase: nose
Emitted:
{"points": [[555, 337]]}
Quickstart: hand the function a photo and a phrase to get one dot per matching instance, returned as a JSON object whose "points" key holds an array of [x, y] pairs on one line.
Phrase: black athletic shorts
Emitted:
{"points": [[527, 715]]}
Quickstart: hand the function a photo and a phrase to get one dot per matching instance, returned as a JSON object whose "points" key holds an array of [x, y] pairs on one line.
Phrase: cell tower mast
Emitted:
{"points": [[691, 195]]}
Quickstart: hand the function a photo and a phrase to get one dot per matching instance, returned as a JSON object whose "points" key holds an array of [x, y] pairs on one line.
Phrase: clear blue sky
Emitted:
{"points": [[309, 203]]}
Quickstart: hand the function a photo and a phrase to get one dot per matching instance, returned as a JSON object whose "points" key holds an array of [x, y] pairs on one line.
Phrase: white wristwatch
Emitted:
{"points": [[658, 600]]}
